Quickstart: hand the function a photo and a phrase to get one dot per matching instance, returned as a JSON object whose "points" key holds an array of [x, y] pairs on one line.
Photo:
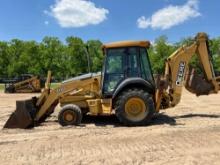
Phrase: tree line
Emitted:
{"points": [[162, 49], [64, 60], [69, 59]]}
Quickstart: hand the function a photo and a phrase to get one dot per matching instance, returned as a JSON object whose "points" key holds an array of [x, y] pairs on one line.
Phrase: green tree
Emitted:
{"points": [[50, 56], [16, 65], [70, 59], [30, 57], [96, 54], [159, 52], [215, 51], [77, 58], [4, 58]]}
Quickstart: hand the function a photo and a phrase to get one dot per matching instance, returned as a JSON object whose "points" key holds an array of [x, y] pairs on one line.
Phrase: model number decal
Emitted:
{"points": [[60, 90], [180, 74]]}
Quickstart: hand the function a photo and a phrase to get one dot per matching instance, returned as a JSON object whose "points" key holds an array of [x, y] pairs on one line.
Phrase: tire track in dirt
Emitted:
{"points": [[186, 134], [99, 149]]}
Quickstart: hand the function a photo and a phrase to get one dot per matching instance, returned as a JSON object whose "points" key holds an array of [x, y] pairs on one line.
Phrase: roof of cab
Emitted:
{"points": [[126, 44]]}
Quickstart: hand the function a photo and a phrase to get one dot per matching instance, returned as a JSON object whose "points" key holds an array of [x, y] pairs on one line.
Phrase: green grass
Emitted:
{"points": [[54, 85], [2, 87]]}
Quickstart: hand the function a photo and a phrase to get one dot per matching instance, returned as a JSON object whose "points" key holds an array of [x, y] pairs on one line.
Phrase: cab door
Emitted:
{"points": [[114, 70]]}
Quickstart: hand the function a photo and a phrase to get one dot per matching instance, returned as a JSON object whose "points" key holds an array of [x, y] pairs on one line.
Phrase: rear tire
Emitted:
{"points": [[134, 107], [70, 115]]}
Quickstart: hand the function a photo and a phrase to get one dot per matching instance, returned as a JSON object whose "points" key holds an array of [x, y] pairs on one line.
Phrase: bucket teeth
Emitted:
{"points": [[23, 117]]}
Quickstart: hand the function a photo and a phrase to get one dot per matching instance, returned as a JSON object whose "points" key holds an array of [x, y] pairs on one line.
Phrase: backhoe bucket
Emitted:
{"points": [[23, 117], [197, 84]]}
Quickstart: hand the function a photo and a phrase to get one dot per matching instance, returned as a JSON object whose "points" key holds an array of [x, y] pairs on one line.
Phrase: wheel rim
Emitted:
{"points": [[135, 109], [69, 116]]}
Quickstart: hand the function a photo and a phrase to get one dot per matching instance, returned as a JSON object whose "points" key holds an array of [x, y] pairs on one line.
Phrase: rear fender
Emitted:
{"points": [[133, 83]]}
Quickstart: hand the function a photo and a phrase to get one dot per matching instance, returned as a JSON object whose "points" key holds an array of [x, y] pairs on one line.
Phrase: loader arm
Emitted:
{"points": [[50, 98], [29, 85], [25, 81], [176, 72], [33, 111]]}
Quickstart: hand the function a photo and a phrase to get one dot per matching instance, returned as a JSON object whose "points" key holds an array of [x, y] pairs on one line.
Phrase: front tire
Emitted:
{"points": [[70, 115], [134, 107]]}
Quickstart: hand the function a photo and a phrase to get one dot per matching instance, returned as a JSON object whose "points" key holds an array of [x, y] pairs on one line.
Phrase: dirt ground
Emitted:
{"points": [[187, 134]]}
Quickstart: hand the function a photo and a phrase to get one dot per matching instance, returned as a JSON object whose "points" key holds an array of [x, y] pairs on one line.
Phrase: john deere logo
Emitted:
{"points": [[180, 74]]}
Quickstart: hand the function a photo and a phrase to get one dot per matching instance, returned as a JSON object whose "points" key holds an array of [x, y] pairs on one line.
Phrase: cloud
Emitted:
{"points": [[77, 13], [170, 16]]}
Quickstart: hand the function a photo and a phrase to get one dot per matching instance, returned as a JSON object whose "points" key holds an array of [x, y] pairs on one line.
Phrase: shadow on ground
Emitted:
{"points": [[101, 120], [162, 118], [196, 115], [158, 119]]}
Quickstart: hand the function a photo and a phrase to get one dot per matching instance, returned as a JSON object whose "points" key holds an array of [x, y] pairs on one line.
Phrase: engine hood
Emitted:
{"points": [[82, 77]]}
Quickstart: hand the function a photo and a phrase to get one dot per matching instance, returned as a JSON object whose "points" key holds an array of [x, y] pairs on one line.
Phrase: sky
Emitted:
{"points": [[108, 20]]}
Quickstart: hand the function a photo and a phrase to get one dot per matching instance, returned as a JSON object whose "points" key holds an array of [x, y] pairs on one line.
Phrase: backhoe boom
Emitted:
{"points": [[177, 73]]}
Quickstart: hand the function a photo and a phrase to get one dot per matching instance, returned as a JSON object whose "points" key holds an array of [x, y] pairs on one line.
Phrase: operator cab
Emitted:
{"points": [[125, 61]]}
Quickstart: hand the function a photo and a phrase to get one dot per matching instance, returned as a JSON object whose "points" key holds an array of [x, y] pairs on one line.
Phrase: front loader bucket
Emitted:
{"points": [[23, 117]]}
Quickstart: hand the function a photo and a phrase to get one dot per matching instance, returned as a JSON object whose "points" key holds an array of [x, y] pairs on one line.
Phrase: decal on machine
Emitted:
{"points": [[60, 90], [180, 74]]}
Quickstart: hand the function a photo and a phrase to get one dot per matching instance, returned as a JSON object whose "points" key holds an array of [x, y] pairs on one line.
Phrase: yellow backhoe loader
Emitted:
{"points": [[25, 83], [125, 87]]}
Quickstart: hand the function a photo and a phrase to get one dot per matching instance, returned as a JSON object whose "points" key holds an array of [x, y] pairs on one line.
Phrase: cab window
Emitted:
{"points": [[114, 69], [146, 72]]}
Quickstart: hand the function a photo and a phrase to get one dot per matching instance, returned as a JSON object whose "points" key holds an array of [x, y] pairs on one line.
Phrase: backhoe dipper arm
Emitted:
{"points": [[176, 67]]}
